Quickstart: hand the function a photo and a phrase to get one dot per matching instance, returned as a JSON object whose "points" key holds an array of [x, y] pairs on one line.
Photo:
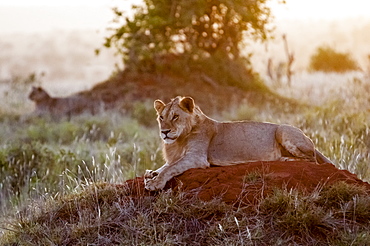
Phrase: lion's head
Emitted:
{"points": [[176, 119], [38, 94]]}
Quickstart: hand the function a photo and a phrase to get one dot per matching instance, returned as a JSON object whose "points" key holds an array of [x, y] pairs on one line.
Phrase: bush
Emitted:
{"points": [[25, 167], [327, 59], [144, 113]]}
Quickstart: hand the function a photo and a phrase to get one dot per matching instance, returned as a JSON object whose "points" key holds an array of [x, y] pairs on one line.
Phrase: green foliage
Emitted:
{"points": [[198, 28], [144, 113], [326, 214], [19, 165], [253, 177], [327, 59], [42, 155], [297, 214], [340, 193], [181, 36], [234, 72]]}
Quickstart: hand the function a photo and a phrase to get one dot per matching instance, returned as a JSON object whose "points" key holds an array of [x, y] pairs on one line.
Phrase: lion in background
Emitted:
{"points": [[59, 106], [193, 140]]}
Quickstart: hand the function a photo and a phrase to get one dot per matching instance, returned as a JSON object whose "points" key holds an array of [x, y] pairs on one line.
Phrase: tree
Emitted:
{"points": [[194, 30], [326, 59]]}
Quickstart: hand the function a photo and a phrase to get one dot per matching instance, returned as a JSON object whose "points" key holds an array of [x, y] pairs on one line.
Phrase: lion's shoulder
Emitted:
{"points": [[202, 131]]}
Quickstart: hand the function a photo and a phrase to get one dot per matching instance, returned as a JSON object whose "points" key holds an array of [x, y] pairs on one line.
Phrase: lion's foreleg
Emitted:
{"points": [[149, 174], [157, 180]]}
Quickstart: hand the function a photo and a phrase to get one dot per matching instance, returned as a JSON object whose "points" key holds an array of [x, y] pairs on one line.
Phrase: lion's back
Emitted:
{"points": [[69, 105], [236, 142], [64, 106]]}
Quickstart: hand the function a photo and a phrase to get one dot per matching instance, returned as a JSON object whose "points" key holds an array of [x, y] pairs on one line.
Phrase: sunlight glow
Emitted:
{"points": [[25, 3], [321, 9], [44, 15]]}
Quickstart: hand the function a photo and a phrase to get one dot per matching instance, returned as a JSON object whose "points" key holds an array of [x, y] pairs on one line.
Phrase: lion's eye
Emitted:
{"points": [[160, 117], [175, 117]]}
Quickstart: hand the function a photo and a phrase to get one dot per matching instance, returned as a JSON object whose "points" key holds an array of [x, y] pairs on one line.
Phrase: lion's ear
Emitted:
{"points": [[187, 103], [159, 106]]}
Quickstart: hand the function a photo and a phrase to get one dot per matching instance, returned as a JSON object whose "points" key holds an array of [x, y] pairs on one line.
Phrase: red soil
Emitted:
{"points": [[243, 184]]}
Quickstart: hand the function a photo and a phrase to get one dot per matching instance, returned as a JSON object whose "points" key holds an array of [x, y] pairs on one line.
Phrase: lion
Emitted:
{"points": [[58, 106], [193, 140]]}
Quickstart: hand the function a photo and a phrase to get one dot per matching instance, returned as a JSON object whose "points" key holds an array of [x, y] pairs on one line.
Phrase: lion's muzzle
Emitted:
{"points": [[166, 136], [165, 132]]}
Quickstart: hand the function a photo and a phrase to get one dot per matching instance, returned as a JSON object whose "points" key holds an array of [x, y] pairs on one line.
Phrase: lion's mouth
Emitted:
{"points": [[167, 137], [169, 140]]}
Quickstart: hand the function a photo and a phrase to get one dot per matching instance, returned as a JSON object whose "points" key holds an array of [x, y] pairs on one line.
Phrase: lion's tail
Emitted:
{"points": [[321, 159]]}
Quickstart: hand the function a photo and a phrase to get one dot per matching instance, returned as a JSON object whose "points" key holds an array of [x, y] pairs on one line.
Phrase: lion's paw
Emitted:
{"points": [[149, 174], [153, 183]]}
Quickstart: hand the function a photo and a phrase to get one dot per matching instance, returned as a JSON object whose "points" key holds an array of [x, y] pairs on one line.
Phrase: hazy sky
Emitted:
{"points": [[322, 9], [44, 15], [54, 2]]}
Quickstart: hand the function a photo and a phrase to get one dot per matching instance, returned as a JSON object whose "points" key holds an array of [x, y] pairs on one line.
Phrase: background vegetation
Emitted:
{"points": [[326, 59], [203, 36], [51, 188], [57, 177]]}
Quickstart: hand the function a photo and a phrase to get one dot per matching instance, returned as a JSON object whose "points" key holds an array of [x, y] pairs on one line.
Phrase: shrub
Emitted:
{"points": [[327, 59], [340, 193], [19, 165], [26, 168], [144, 113]]}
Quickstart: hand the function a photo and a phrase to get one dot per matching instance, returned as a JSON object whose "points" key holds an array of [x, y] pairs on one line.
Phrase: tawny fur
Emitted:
{"points": [[59, 106], [193, 140]]}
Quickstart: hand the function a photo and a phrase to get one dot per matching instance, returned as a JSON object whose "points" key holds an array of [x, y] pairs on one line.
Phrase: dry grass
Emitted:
{"points": [[102, 214], [56, 176]]}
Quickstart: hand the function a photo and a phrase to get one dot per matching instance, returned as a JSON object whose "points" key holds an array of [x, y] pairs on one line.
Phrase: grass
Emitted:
{"points": [[39, 155], [102, 214], [57, 182]]}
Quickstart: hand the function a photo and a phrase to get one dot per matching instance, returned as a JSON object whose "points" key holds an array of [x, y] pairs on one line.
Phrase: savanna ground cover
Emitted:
{"points": [[55, 177]]}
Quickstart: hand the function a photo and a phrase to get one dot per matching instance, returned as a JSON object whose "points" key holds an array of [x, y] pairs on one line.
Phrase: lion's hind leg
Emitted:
{"points": [[296, 144]]}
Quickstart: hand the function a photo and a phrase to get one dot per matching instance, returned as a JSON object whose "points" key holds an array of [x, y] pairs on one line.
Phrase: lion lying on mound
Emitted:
{"points": [[58, 106], [193, 140]]}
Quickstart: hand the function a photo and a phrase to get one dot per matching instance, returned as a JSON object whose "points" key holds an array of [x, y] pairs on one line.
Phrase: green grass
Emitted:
{"points": [[41, 156], [56, 176]]}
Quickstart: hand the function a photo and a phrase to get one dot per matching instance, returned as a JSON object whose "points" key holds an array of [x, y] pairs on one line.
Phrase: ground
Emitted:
{"points": [[127, 87], [246, 183]]}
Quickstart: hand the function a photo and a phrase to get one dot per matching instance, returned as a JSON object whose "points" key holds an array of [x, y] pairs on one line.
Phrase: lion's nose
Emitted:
{"points": [[165, 132]]}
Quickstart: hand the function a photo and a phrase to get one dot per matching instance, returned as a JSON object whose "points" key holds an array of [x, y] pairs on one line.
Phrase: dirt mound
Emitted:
{"points": [[244, 184], [120, 91]]}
